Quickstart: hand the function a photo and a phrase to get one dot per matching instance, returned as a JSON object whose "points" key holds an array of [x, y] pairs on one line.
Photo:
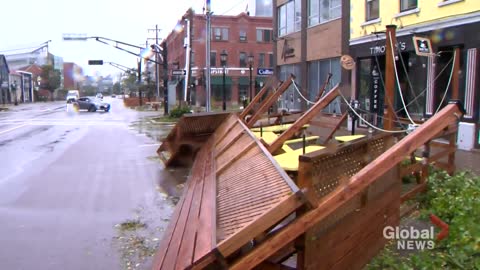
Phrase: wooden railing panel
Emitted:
{"points": [[270, 101], [303, 120], [355, 186]]}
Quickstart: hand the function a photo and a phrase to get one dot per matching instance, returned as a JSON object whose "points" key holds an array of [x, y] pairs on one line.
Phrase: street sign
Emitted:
{"points": [[265, 71], [95, 62], [423, 46], [179, 72]]}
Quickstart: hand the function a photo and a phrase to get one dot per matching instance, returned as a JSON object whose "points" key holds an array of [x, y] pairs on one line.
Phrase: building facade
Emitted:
{"points": [[424, 81], [311, 36], [4, 80], [72, 76], [237, 37]]}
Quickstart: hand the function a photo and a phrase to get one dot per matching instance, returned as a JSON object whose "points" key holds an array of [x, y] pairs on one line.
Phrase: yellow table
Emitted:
{"points": [[276, 128], [289, 161], [269, 137], [348, 138]]}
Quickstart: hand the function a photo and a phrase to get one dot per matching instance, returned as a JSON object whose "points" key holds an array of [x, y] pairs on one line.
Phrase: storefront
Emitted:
{"points": [[424, 82]]}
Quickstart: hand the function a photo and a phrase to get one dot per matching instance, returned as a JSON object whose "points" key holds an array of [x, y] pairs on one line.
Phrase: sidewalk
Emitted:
{"points": [[468, 160], [32, 106]]}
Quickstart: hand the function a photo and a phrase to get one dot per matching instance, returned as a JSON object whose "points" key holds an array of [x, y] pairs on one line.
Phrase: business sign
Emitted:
{"points": [[95, 62], [423, 46], [179, 72], [265, 71], [375, 90]]}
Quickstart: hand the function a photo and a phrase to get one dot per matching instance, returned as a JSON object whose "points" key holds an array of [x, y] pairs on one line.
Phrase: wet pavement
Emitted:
{"points": [[468, 161], [86, 190], [70, 183]]}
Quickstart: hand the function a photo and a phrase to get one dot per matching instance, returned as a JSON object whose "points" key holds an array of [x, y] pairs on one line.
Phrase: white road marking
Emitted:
{"points": [[147, 145], [8, 130]]}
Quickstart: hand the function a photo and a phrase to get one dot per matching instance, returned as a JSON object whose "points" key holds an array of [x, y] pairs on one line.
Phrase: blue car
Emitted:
{"points": [[92, 104]]}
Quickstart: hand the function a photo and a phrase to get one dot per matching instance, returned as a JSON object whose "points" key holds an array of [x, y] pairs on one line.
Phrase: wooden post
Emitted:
{"points": [[455, 79], [389, 77]]}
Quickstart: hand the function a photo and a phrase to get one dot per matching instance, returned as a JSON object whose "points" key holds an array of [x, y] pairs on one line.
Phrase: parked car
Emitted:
{"points": [[92, 104], [72, 95]]}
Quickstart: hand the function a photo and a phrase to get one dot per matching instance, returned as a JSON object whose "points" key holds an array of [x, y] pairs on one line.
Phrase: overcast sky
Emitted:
{"points": [[29, 23]]}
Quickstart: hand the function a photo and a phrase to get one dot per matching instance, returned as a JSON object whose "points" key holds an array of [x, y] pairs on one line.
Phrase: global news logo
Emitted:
{"points": [[412, 238]]}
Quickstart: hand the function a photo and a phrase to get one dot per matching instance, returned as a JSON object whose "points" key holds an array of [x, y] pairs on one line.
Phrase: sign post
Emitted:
{"points": [[179, 72], [423, 46]]}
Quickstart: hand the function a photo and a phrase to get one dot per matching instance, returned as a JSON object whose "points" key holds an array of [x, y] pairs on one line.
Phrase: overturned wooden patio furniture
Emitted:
{"points": [[239, 210], [187, 136], [305, 119], [265, 104], [326, 236], [235, 194]]}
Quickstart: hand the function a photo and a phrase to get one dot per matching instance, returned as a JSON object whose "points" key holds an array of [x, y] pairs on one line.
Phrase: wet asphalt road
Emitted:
{"points": [[67, 180]]}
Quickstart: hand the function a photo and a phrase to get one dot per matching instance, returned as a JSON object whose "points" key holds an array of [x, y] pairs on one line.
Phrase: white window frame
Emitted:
{"points": [[283, 13], [367, 11], [406, 9], [315, 16]]}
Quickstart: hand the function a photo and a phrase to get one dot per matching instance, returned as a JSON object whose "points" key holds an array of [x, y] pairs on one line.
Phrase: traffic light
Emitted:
{"points": [[95, 62]]}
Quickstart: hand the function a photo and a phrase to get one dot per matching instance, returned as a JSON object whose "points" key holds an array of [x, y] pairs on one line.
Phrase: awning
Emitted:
{"points": [[218, 80], [261, 81], [244, 81]]}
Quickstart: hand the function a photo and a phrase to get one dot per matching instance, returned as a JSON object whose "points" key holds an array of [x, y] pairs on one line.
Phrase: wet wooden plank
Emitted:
{"points": [[206, 238], [261, 224]]}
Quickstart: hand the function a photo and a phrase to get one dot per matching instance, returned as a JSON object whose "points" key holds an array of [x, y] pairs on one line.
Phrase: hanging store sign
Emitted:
{"points": [[265, 71], [375, 90], [423, 46]]}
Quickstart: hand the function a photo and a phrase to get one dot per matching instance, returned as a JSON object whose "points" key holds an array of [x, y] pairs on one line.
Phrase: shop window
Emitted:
{"points": [[318, 72]]}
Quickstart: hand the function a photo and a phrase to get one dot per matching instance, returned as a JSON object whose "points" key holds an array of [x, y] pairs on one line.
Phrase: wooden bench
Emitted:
{"points": [[188, 135], [236, 193], [154, 104]]}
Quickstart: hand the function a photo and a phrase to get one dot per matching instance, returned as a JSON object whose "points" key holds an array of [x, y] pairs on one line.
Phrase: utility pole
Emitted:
{"points": [[187, 60], [165, 78], [157, 68], [208, 36], [389, 77]]}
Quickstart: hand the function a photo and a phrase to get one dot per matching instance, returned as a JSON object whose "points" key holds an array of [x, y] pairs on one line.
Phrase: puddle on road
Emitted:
{"points": [[152, 128]]}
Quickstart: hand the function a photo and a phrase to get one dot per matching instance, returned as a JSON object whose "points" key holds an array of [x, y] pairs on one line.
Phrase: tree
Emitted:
{"points": [[130, 82], [117, 89], [51, 79]]}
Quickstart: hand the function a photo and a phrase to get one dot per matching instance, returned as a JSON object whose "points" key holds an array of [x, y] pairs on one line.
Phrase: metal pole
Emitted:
{"points": [[224, 92], [208, 75], [157, 69], [165, 79], [187, 62], [251, 91]]}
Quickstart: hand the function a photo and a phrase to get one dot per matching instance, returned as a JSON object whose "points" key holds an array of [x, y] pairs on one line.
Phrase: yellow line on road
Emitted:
{"points": [[11, 129]]}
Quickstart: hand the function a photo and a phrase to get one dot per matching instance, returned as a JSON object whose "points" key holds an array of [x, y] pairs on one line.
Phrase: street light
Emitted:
{"points": [[14, 89], [223, 61], [250, 64]]}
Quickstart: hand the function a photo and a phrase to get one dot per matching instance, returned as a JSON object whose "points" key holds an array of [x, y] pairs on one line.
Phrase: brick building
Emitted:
{"points": [[237, 36], [72, 76]]}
